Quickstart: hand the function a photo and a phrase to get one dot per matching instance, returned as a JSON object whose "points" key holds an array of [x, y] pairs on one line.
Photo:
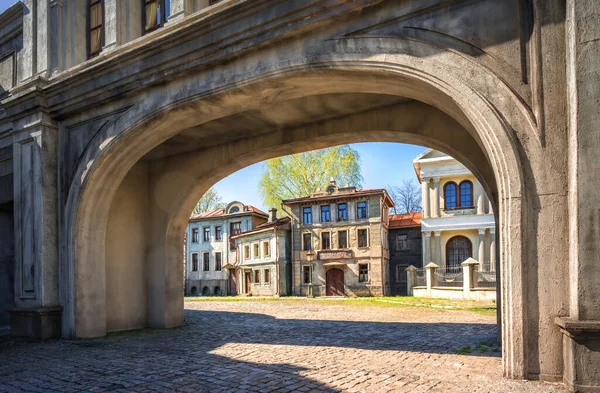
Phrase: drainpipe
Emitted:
{"points": [[291, 244]]}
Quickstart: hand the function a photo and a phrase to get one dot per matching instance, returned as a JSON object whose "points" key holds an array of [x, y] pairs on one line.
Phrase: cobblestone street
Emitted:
{"points": [[277, 346]]}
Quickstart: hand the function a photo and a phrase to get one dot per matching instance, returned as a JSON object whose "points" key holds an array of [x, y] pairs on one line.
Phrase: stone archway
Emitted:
{"points": [[475, 122]]}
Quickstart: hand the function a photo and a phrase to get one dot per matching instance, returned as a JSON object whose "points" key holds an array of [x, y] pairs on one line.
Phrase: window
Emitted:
{"points": [[342, 212], [195, 235], [343, 239], [325, 213], [155, 14], [401, 274], [307, 215], [361, 210], [401, 242], [325, 241], [458, 250], [256, 276], [466, 194], [212, 2], [95, 27], [256, 251], [234, 209], [450, 195], [306, 242], [306, 275], [236, 227], [266, 249], [363, 238], [194, 262], [205, 262], [218, 233], [218, 262], [363, 272], [246, 252], [267, 277], [206, 234]]}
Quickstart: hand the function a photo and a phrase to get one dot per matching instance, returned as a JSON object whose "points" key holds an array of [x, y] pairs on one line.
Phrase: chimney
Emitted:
{"points": [[272, 214]]}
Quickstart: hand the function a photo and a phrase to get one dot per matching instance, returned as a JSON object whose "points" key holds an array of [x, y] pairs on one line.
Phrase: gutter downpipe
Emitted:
{"points": [[276, 262]]}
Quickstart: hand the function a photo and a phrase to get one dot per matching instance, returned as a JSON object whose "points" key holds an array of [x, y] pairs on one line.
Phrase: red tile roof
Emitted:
{"points": [[338, 195], [221, 212], [405, 220]]}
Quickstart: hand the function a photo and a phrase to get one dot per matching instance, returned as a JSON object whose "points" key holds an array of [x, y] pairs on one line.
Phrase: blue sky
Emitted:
{"points": [[381, 163], [4, 4]]}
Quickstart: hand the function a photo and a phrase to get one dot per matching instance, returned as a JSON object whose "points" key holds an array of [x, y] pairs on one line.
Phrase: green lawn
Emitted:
{"points": [[485, 308]]}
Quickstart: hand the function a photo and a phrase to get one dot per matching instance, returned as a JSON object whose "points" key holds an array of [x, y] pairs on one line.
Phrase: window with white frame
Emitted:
{"points": [[205, 262], [361, 210], [218, 261], [267, 276], [266, 249], [306, 242], [195, 235], [195, 262], [247, 251], [325, 240], [256, 250], [363, 272], [256, 276]]}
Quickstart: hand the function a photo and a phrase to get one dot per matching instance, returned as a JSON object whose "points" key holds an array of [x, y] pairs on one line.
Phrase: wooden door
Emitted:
{"points": [[334, 282], [232, 282], [247, 282]]}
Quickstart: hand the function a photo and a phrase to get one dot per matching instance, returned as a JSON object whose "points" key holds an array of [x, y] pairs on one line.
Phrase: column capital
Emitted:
{"points": [[492, 231], [436, 179], [427, 233], [437, 233], [482, 231], [425, 179]]}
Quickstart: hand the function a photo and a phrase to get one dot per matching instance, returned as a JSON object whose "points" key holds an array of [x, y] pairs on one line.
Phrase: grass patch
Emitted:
{"points": [[464, 350], [484, 308]]}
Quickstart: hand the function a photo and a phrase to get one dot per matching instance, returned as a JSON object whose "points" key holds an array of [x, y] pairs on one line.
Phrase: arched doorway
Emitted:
{"points": [[334, 281], [434, 107], [458, 250]]}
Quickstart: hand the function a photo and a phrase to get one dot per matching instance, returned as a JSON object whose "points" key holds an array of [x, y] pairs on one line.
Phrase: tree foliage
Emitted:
{"points": [[210, 200], [406, 197], [300, 175]]}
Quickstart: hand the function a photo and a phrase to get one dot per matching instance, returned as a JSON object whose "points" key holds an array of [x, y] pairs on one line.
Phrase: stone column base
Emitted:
{"points": [[40, 323], [581, 354]]}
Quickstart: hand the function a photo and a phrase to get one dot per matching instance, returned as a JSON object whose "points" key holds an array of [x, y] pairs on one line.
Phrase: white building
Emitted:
{"points": [[264, 265], [458, 221], [210, 253]]}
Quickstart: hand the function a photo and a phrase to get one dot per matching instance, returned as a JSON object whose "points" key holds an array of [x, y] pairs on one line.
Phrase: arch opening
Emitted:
{"points": [[171, 178]]}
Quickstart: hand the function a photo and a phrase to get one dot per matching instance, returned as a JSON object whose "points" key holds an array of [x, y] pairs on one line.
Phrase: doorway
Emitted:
{"points": [[247, 282], [334, 281]]}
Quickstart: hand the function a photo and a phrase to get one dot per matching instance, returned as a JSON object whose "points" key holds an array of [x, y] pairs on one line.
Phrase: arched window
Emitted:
{"points": [[450, 196], [466, 194], [458, 250], [234, 209]]}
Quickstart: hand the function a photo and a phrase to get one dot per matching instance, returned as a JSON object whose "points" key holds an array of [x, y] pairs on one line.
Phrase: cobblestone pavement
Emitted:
{"points": [[276, 346]]}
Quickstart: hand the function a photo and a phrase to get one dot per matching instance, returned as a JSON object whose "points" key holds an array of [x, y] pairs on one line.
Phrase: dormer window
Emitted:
{"points": [[234, 209]]}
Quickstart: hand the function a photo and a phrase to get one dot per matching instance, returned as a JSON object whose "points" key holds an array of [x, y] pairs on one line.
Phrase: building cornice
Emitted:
{"points": [[186, 45]]}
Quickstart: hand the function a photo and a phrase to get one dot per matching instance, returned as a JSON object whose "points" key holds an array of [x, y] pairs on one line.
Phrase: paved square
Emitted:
{"points": [[294, 345]]}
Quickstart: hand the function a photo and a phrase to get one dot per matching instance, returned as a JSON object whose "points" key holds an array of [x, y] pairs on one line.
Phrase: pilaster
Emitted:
{"points": [[426, 247], [480, 198], [436, 198], [481, 249], [35, 59], [37, 300], [492, 249], [437, 251], [425, 193]]}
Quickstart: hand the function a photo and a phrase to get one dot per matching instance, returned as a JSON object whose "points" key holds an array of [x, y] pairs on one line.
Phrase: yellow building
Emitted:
{"points": [[458, 221]]}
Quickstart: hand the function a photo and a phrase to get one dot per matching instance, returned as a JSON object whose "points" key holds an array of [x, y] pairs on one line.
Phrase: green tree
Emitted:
{"points": [[299, 175], [210, 200]]}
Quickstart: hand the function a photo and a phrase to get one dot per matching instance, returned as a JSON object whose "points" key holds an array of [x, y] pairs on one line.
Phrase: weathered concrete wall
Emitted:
{"points": [[126, 264]]}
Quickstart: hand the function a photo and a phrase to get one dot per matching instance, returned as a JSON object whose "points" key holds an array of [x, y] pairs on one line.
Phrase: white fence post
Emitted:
{"points": [[431, 280], [469, 276]]}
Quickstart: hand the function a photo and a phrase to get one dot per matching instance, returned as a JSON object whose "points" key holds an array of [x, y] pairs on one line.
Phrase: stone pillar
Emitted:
{"points": [[481, 248], [581, 330], [411, 279], [179, 9], [35, 59], [437, 250], [493, 249], [37, 313], [436, 198], [111, 24], [490, 207], [431, 279], [425, 194], [469, 276], [480, 198], [426, 247]]}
